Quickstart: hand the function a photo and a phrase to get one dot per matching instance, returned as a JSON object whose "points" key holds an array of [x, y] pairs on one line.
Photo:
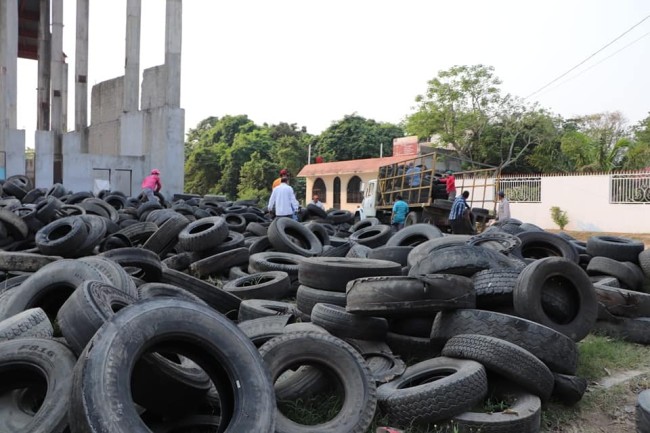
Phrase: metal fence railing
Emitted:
{"points": [[630, 188], [525, 189]]}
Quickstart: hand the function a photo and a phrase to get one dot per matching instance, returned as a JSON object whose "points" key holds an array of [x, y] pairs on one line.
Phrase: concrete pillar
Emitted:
{"points": [[81, 67], [44, 65], [57, 85], [173, 42], [8, 65], [132, 62]]}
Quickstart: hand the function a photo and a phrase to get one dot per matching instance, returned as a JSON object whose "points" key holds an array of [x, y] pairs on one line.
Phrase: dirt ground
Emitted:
{"points": [[611, 409]]}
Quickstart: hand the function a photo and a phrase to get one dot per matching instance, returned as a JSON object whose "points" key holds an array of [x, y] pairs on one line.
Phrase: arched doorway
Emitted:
{"points": [[337, 193], [320, 189], [354, 194]]}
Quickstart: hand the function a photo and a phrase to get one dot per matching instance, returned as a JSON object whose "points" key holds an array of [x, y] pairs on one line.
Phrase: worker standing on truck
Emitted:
{"points": [[413, 175], [451, 184], [400, 209], [459, 217]]}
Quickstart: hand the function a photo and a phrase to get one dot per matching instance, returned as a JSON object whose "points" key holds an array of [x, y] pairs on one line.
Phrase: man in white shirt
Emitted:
{"points": [[503, 209], [283, 201], [315, 200]]}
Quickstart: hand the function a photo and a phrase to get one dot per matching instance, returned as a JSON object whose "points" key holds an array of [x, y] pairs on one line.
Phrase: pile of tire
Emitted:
{"points": [[201, 314]]}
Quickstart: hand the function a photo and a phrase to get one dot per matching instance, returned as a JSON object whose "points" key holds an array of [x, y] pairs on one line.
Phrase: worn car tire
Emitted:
{"points": [[346, 325], [414, 235], [556, 350], [433, 390], [615, 247], [32, 323], [289, 236], [273, 285], [504, 358]]}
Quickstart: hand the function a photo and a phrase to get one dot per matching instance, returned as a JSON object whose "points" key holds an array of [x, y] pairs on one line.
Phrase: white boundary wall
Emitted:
{"points": [[586, 199]]}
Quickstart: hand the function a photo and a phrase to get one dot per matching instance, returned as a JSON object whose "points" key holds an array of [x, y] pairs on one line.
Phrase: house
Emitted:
{"points": [[339, 184]]}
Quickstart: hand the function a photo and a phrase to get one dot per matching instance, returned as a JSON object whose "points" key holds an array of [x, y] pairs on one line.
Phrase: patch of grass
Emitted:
{"points": [[600, 355], [311, 411]]}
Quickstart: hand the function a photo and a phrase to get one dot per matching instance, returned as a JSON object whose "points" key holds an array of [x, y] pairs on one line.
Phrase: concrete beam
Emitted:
{"points": [[44, 67], [8, 65], [44, 158], [132, 61], [173, 45], [57, 67], [81, 67]]}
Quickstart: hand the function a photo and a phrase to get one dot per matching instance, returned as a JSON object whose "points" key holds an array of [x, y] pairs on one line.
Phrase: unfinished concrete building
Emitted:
{"points": [[135, 124]]}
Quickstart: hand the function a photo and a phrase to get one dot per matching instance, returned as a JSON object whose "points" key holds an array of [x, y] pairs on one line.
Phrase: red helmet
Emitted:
{"points": [[155, 171], [284, 172]]}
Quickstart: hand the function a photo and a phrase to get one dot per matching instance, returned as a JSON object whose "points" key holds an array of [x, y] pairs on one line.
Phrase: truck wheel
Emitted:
{"points": [[412, 218]]}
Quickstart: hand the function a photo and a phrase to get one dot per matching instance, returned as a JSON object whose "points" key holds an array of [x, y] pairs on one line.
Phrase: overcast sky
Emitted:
{"points": [[312, 62]]}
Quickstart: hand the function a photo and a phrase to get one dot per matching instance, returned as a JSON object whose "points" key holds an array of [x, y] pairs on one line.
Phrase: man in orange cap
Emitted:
{"points": [[283, 173]]}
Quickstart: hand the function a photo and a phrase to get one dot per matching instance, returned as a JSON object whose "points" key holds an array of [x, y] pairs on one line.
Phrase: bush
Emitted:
{"points": [[560, 217]]}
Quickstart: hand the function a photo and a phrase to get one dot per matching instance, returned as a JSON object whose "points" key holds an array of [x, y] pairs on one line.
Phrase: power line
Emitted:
{"points": [[588, 58], [599, 62]]}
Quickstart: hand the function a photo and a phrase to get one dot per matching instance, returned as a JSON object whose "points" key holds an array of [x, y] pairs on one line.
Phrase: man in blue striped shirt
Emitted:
{"points": [[460, 223]]}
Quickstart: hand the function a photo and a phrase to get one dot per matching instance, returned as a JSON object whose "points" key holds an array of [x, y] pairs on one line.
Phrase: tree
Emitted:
{"points": [[638, 154], [256, 175], [458, 105], [511, 138], [356, 137]]}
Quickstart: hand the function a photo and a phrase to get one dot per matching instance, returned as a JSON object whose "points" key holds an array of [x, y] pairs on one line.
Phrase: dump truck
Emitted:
{"points": [[427, 200]]}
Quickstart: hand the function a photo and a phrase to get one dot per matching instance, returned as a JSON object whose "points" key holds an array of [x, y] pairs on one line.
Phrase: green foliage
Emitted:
{"points": [[559, 216], [355, 137], [235, 157], [638, 154]]}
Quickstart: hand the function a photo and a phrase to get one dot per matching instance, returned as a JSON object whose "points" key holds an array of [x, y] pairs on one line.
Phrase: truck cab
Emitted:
{"points": [[367, 208]]}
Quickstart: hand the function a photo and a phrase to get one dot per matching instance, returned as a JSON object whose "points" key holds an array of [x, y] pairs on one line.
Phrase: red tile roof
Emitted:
{"points": [[368, 165]]}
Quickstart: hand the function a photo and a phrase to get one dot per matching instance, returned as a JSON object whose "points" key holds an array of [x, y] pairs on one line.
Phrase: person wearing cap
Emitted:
{"points": [[450, 180], [283, 201], [283, 173], [150, 184], [503, 209]]}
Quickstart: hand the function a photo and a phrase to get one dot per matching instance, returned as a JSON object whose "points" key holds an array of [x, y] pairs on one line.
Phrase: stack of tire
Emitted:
{"points": [[203, 308]]}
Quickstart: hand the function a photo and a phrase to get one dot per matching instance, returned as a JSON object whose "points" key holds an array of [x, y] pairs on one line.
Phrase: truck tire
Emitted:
{"points": [[462, 260], [333, 273], [34, 359], [373, 236], [216, 344], [339, 359], [289, 236], [428, 247], [556, 272], [408, 296], [538, 245]]}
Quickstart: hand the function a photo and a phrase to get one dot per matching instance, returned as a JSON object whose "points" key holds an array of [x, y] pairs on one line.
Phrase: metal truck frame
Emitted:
{"points": [[428, 201]]}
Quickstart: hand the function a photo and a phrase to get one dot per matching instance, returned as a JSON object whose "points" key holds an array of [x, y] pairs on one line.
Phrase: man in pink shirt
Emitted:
{"points": [[150, 184]]}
